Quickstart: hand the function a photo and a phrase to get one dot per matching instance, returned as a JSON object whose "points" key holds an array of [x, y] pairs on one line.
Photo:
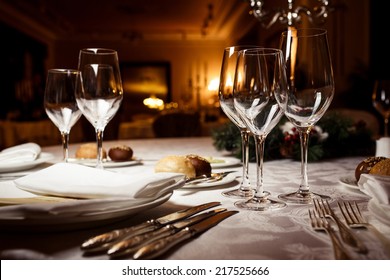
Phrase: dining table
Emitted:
{"points": [[281, 234]]}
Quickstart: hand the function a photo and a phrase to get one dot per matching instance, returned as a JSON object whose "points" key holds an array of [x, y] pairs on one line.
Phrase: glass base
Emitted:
{"points": [[260, 204], [302, 197], [239, 193]]}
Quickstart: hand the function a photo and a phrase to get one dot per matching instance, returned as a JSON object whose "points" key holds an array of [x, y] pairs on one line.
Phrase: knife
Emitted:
{"points": [[160, 246], [103, 241], [130, 245]]}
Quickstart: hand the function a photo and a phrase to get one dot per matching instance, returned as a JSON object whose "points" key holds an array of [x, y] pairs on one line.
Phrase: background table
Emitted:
{"points": [[281, 234]]}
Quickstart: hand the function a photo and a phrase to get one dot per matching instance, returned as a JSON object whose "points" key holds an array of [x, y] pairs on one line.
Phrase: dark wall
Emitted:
{"points": [[380, 49], [22, 75]]}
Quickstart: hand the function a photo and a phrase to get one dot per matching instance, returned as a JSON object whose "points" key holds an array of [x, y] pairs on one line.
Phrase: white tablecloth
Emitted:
{"points": [[282, 234]]}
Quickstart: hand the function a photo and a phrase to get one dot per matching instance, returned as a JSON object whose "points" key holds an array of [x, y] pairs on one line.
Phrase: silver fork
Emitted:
{"points": [[321, 224], [213, 177], [324, 210], [355, 219]]}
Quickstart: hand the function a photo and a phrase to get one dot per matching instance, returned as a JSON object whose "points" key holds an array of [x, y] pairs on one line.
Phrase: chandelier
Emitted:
{"points": [[290, 16]]}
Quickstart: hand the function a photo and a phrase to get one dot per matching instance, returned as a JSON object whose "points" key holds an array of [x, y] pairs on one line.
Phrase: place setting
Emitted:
{"points": [[48, 201]]}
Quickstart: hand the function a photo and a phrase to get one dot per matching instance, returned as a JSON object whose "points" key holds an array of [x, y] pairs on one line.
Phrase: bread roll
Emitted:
{"points": [[365, 166], [88, 150], [120, 153], [202, 165], [176, 164], [381, 168]]}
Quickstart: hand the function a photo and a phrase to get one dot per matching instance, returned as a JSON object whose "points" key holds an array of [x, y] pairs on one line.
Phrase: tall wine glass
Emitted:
{"points": [[225, 93], [60, 104], [381, 101], [311, 90], [260, 74], [103, 93]]}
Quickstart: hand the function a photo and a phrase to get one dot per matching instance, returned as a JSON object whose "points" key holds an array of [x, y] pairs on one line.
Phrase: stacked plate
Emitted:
{"points": [[47, 200]]}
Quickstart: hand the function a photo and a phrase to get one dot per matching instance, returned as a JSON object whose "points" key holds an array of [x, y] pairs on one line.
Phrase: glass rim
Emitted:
{"points": [[64, 71], [98, 51], [241, 46], [305, 32], [262, 51]]}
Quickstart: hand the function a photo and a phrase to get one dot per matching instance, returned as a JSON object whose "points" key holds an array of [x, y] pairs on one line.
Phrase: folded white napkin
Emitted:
{"points": [[376, 186], [20, 153], [78, 181]]}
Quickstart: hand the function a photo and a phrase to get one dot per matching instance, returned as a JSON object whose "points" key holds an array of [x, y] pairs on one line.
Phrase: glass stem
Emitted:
{"points": [[259, 142], [99, 141], [65, 145], [245, 184], [386, 128], [304, 138]]}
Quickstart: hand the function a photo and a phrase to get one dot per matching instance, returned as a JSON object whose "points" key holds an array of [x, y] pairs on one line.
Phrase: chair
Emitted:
{"points": [[177, 124]]}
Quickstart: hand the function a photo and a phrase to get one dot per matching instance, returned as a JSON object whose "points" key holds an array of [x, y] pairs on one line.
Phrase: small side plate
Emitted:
{"points": [[19, 166], [106, 163], [349, 181]]}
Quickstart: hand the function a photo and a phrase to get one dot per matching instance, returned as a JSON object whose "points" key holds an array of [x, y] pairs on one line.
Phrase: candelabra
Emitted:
{"points": [[268, 17]]}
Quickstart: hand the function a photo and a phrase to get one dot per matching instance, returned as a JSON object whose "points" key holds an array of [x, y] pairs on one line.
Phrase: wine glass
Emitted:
{"points": [[381, 101], [260, 74], [60, 104], [310, 92], [225, 94], [103, 92]]}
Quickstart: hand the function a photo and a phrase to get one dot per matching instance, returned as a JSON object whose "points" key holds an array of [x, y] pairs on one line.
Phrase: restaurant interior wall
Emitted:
{"points": [[351, 33]]}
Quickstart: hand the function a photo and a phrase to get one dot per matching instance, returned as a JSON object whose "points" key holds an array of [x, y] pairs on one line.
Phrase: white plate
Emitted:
{"points": [[228, 179], [106, 163], [23, 217], [12, 167], [349, 181], [224, 162]]}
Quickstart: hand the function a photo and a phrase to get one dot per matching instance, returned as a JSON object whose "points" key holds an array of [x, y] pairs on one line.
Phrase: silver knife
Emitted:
{"points": [[103, 241], [160, 246], [129, 245]]}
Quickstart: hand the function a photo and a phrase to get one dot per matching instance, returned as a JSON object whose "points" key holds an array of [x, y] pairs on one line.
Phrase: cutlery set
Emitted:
{"points": [[154, 237], [323, 212]]}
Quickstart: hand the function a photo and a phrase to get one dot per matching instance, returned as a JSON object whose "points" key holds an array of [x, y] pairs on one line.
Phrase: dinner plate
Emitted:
{"points": [[106, 163], [23, 218], [18, 166], [221, 162], [349, 181], [226, 180]]}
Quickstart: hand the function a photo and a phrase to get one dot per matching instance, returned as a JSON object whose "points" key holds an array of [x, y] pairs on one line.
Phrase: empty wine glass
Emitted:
{"points": [[260, 74], [103, 93], [225, 93], [310, 92], [60, 104], [381, 101]]}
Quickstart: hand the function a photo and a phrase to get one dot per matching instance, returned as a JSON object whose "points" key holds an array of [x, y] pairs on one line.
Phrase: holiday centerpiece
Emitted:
{"points": [[333, 136]]}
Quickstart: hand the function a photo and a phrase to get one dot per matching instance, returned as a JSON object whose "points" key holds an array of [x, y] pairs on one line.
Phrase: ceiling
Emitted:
{"points": [[130, 19]]}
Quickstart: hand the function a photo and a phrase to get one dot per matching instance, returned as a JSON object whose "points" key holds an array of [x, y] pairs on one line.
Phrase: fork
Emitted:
{"points": [[355, 219], [213, 177], [321, 224], [325, 211]]}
